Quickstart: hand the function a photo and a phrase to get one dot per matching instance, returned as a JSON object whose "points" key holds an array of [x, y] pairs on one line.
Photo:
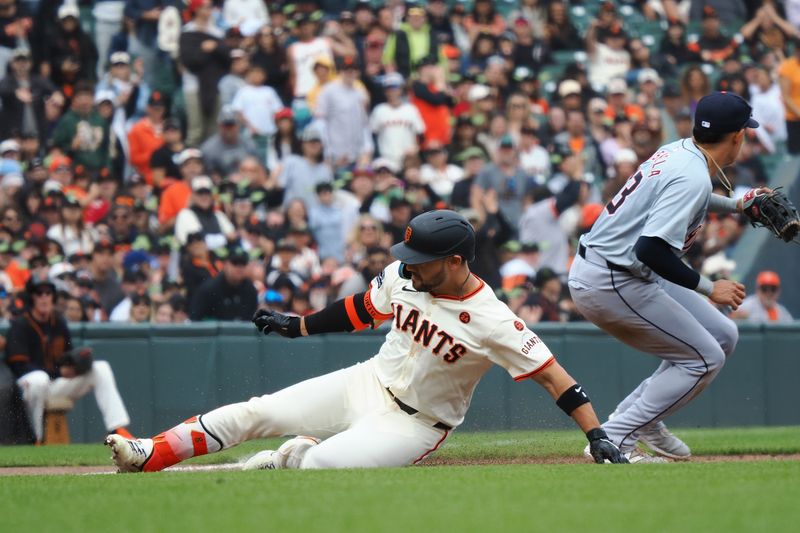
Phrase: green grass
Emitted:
{"points": [[460, 446], [678, 497], [684, 497]]}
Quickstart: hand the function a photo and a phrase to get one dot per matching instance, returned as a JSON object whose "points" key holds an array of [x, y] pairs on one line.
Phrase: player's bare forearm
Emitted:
{"points": [[556, 381]]}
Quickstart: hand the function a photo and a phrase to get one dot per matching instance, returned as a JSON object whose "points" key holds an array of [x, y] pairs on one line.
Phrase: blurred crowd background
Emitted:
{"points": [[165, 162]]}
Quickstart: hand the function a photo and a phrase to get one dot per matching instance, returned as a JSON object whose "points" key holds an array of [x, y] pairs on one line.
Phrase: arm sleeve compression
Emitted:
{"points": [[657, 254]]}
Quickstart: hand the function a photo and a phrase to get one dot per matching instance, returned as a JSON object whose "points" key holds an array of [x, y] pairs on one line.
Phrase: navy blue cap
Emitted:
{"points": [[723, 112]]}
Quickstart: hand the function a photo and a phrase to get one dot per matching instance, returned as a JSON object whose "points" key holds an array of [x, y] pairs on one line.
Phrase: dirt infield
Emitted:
{"points": [[97, 470]]}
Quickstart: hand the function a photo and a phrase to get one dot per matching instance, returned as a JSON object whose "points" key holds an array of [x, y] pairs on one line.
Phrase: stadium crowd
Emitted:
{"points": [[165, 161]]}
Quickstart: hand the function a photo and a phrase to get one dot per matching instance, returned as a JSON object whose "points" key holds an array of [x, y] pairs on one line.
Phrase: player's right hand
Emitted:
{"points": [[268, 321], [727, 292]]}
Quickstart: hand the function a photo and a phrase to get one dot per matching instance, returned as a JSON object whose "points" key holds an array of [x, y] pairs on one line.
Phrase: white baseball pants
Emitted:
{"points": [[349, 409], [663, 319], [37, 387]]}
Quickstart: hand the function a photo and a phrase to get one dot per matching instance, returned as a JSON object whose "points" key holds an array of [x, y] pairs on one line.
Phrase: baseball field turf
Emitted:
{"points": [[740, 480]]}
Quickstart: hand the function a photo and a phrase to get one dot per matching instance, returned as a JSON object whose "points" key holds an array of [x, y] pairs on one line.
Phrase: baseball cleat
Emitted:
{"points": [[639, 456], [130, 455], [263, 460], [661, 440]]}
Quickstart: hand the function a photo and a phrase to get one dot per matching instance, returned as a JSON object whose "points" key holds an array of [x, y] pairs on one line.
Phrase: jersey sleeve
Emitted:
{"points": [[674, 208], [518, 349], [378, 297]]}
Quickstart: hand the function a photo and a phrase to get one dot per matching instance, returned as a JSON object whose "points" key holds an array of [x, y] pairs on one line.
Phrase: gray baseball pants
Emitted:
{"points": [[660, 318]]}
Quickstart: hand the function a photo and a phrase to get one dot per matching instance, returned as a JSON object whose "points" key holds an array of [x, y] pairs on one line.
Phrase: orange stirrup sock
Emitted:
{"points": [[188, 439]]}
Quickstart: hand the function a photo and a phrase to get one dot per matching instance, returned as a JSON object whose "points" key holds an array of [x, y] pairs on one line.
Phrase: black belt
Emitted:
{"points": [[609, 264], [411, 411]]}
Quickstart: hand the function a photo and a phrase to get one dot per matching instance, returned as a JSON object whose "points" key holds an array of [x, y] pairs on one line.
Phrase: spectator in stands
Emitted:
{"points": [[231, 82], [436, 172], [146, 136], [580, 143], [763, 306], [326, 222], [768, 109], [36, 346], [285, 142], [229, 295], [70, 54], [176, 192], [767, 30], [562, 32], [200, 216], [506, 177], [71, 233], [256, 105], [134, 285], [82, 133], [197, 264], [377, 260], [540, 222], [162, 161], [342, 112], [789, 81], [473, 160], [694, 85], [731, 12], [713, 46], [674, 51], [397, 124], [619, 104], [301, 54], [270, 54], [300, 174], [23, 95], [141, 307], [223, 151], [413, 41], [105, 282], [126, 84], [205, 59], [430, 95], [608, 57]]}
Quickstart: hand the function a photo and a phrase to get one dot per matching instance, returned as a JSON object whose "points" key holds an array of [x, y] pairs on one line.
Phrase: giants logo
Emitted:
{"points": [[529, 344], [428, 334], [408, 234]]}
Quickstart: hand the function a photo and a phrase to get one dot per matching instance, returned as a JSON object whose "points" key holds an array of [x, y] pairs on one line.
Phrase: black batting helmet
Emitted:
{"points": [[436, 235]]}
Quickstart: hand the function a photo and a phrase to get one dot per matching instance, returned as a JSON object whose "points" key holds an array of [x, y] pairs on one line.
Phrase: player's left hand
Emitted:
{"points": [[602, 449]]}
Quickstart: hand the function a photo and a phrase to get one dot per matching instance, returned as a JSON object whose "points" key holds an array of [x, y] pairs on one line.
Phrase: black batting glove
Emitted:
{"points": [[268, 321], [602, 449]]}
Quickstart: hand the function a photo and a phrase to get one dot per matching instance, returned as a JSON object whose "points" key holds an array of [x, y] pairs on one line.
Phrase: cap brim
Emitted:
{"points": [[410, 256], [751, 123]]}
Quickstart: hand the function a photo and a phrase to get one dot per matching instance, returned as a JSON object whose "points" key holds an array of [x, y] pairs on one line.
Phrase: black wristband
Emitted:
{"points": [[572, 398], [596, 434]]}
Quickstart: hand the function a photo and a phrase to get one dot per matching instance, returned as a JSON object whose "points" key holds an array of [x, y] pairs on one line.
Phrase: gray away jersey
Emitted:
{"points": [[667, 197]]}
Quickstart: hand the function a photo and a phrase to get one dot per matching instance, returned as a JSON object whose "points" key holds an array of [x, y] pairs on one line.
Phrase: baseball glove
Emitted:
{"points": [[774, 211], [80, 359]]}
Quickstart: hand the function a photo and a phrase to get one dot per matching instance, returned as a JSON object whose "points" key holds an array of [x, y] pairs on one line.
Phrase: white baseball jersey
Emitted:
{"points": [[303, 55], [440, 346], [669, 196]]}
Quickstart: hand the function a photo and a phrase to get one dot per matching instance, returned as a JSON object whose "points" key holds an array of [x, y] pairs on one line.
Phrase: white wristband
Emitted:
{"points": [[704, 286]]}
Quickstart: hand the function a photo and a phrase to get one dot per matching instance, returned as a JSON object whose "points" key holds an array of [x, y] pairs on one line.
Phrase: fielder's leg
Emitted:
{"points": [[644, 316]]}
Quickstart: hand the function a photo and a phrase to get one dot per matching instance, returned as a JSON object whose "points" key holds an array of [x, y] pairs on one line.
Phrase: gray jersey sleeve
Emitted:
{"points": [[675, 207]]}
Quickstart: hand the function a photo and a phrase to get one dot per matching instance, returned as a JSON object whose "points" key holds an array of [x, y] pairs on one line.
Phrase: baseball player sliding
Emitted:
{"points": [[628, 277], [447, 329]]}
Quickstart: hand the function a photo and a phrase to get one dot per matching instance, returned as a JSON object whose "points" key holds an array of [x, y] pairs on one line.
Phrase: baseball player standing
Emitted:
{"points": [[448, 328], [628, 277]]}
